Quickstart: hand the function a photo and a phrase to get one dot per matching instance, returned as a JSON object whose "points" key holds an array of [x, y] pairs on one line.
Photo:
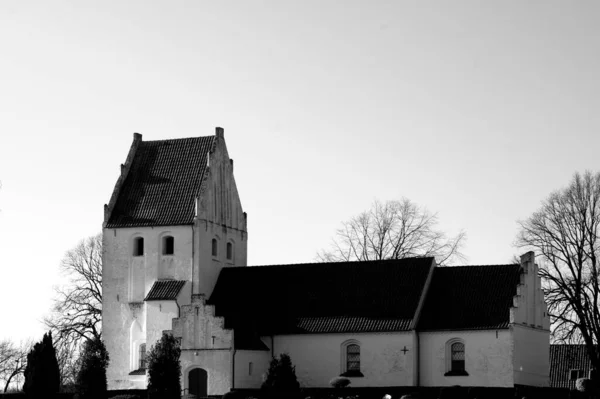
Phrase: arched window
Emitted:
{"points": [[214, 247], [351, 359], [229, 251], [138, 246], [455, 357], [168, 245], [142, 356]]}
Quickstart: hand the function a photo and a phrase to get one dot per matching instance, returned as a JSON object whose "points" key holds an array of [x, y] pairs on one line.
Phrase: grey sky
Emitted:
{"points": [[474, 109]]}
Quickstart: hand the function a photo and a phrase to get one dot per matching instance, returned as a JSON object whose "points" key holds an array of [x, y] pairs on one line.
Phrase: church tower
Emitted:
{"points": [[174, 220]]}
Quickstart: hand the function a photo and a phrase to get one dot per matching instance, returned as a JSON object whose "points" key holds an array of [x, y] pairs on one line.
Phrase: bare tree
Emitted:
{"points": [[13, 360], [393, 230], [77, 311], [565, 233]]}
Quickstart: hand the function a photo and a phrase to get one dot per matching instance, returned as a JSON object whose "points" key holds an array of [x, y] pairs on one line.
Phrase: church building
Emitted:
{"points": [[175, 241]]}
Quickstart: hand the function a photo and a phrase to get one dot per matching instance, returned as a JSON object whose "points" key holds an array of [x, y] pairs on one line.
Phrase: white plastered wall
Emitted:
{"points": [[251, 376], [487, 358], [318, 358], [123, 296]]}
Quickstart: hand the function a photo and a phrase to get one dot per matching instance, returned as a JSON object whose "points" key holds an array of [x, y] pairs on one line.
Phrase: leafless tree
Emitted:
{"points": [[77, 311], [565, 233], [393, 230], [13, 359]]}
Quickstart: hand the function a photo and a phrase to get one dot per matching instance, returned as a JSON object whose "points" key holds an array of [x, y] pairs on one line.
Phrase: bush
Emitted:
{"points": [[91, 377], [126, 397], [453, 392], [42, 376], [339, 382], [281, 376], [164, 369], [585, 385]]}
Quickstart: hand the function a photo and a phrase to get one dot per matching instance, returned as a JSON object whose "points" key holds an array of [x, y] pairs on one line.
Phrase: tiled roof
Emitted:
{"points": [[470, 297], [164, 289], [162, 183], [564, 358], [322, 297], [343, 324]]}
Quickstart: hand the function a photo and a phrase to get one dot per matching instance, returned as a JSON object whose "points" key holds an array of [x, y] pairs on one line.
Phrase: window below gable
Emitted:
{"points": [[215, 248], [168, 245], [138, 246], [229, 251]]}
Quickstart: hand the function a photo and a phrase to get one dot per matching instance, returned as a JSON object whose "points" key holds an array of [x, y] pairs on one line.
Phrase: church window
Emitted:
{"points": [[229, 251], [138, 246], [351, 359], [455, 358], [214, 247], [250, 368], [142, 356], [168, 245], [574, 374]]}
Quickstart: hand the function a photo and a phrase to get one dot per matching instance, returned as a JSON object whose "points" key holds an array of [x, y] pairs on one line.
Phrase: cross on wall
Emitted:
{"points": [[404, 349]]}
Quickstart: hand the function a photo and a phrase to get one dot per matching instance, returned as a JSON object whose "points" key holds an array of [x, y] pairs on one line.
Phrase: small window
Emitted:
{"points": [[229, 251], [250, 368], [168, 245], [353, 358], [574, 374], [138, 246], [142, 356], [458, 357], [214, 247]]}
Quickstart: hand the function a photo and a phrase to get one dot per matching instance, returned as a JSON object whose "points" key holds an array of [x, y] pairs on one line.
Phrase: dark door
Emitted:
{"points": [[198, 379]]}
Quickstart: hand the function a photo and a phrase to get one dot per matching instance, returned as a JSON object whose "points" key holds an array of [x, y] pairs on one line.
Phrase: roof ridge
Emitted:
{"points": [[489, 265], [337, 262], [178, 139]]}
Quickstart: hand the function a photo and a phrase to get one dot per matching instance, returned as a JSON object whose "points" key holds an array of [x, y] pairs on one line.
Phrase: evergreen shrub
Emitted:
{"points": [[164, 369], [91, 377], [42, 375], [281, 376]]}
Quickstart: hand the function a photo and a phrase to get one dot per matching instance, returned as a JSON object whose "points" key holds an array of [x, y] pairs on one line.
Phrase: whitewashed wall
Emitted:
{"points": [[217, 364], [318, 358], [531, 356], [126, 281], [246, 378], [487, 358]]}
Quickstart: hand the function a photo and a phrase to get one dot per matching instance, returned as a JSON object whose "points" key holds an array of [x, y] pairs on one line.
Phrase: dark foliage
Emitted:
{"points": [[42, 376], [91, 377], [339, 382], [281, 376], [164, 369]]}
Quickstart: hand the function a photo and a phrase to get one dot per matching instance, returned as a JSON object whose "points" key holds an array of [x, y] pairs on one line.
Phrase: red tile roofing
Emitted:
{"points": [[162, 183], [470, 297], [164, 290]]}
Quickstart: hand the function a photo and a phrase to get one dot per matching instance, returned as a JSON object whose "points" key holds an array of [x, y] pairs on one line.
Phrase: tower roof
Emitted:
{"points": [[160, 182]]}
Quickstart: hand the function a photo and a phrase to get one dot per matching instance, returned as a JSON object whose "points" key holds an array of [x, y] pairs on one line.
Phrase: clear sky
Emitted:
{"points": [[474, 109]]}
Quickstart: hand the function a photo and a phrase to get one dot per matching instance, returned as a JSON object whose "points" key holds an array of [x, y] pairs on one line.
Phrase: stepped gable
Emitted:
{"points": [[162, 183], [470, 298], [374, 296]]}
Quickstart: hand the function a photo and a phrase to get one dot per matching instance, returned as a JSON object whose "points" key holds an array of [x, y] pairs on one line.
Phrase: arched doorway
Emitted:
{"points": [[198, 382]]}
